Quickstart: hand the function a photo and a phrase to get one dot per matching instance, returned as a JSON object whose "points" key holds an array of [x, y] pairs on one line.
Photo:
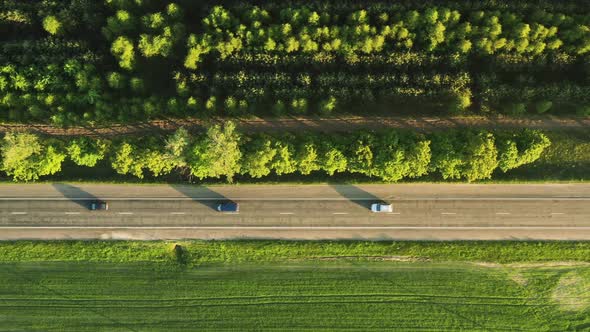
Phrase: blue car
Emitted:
{"points": [[228, 207], [99, 205]]}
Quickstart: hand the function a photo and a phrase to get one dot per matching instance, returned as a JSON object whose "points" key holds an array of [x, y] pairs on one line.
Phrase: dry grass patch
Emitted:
{"points": [[572, 292]]}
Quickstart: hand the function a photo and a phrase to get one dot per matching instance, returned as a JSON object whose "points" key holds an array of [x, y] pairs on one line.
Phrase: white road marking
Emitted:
{"points": [[557, 213], [18, 213], [304, 227], [286, 213], [448, 213], [502, 213], [177, 213], [340, 213], [393, 213], [72, 212], [125, 212]]}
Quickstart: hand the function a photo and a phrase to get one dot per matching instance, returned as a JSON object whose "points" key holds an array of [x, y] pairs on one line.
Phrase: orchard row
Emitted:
{"points": [[74, 61]]}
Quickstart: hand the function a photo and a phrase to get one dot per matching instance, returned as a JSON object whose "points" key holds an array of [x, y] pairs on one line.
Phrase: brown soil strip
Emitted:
{"points": [[295, 124]]}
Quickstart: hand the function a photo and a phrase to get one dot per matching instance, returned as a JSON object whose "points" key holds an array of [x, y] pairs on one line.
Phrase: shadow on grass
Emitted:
{"points": [[356, 195], [75, 194], [200, 194]]}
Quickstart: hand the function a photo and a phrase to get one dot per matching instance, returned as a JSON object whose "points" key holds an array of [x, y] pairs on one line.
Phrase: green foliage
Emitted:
{"points": [[543, 106], [123, 49], [481, 156], [116, 80], [25, 157], [284, 59], [86, 152], [258, 157], [516, 109], [218, 154], [333, 159], [52, 25], [128, 160], [177, 146], [524, 148], [307, 158]]}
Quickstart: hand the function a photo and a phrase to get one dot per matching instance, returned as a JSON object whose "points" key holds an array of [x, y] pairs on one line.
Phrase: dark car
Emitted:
{"points": [[228, 207], [99, 205]]}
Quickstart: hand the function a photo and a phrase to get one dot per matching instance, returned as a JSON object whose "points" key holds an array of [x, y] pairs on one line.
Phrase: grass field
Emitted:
{"points": [[254, 285], [196, 253], [62, 296]]}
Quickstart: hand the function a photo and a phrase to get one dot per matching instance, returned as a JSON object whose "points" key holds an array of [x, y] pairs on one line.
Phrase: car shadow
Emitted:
{"points": [[201, 194], [75, 194], [356, 195]]}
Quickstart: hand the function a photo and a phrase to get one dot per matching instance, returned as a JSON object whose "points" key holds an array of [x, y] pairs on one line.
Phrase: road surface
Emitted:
{"points": [[421, 211]]}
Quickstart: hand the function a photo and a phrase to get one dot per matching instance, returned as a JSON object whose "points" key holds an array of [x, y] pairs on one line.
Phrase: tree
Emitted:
{"points": [[258, 157], [25, 157], [128, 160], [328, 105], [284, 162], [217, 154], [461, 101], [307, 158], [481, 156], [52, 25], [446, 158], [116, 80], [176, 146], [361, 154], [85, 151], [522, 148], [123, 50], [332, 159]]}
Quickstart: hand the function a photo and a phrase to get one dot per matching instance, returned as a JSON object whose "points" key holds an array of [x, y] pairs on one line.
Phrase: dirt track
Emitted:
{"points": [[333, 124]]}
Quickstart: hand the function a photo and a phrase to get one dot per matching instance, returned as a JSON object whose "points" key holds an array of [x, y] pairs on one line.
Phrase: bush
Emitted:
{"points": [[516, 109], [543, 106]]}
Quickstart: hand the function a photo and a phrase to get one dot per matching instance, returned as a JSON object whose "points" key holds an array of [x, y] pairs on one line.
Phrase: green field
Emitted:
{"points": [[254, 285], [295, 296]]}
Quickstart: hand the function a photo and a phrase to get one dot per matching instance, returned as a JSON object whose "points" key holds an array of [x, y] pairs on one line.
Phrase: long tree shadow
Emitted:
{"points": [[201, 194], [356, 195], [75, 194]]}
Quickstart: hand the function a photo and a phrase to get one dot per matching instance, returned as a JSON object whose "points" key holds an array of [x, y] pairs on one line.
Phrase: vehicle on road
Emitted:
{"points": [[381, 207], [99, 205], [228, 206]]}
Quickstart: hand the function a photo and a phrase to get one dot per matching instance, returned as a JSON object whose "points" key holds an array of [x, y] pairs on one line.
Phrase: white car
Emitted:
{"points": [[381, 207]]}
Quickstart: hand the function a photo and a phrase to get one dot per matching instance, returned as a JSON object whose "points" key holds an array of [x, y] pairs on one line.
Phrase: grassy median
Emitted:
{"points": [[296, 285]]}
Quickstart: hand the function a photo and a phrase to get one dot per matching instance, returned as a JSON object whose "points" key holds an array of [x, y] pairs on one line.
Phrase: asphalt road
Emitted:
{"points": [[421, 211]]}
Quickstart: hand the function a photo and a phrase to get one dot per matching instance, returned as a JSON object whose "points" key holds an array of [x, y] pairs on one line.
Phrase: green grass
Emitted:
{"points": [[291, 285], [213, 252], [297, 296]]}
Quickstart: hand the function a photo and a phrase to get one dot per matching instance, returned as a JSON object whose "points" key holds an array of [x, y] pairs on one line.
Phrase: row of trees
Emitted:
{"points": [[291, 30], [222, 152]]}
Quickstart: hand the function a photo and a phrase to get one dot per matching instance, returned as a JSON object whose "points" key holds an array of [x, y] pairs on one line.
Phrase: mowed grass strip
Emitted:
{"points": [[214, 252], [365, 296]]}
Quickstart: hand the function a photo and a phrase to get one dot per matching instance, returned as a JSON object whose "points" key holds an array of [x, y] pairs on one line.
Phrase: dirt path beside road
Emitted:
{"points": [[332, 124]]}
